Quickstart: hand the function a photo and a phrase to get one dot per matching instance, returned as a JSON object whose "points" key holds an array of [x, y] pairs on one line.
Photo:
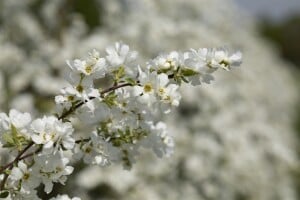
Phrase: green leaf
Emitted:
{"points": [[110, 99], [119, 73], [14, 139], [8, 138], [17, 137], [131, 81], [4, 194], [14, 132], [188, 72]]}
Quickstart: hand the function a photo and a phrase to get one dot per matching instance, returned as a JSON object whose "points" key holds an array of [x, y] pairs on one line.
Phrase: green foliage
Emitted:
{"points": [[286, 35], [110, 99], [4, 194], [89, 11], [14, 139]]}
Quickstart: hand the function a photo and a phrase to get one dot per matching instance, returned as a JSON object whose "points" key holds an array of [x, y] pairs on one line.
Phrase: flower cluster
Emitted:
{"points": [[123, 115], [48, 165]]}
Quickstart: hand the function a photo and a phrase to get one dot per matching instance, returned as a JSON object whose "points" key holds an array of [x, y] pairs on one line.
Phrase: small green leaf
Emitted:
{"points": [[14, 133], [7, 171], [4, 194], [119, 73], [131, 81], [14, 139], [188, 72], [19, 140], [8, 138], [110, 99]]}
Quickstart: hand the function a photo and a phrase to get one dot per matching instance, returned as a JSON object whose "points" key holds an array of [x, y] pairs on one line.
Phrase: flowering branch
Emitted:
{"points": [[122, 116]]}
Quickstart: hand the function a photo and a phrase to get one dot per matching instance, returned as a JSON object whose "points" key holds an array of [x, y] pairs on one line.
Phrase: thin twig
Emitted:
{"points": [[15, 161], [72, 109]]}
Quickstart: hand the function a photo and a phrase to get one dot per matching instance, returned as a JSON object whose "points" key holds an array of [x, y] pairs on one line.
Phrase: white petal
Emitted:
{"points": [[37, 139], [48, 145], [68, 170], [16, 174], [48, 186], [38, 125], [163, 79]]}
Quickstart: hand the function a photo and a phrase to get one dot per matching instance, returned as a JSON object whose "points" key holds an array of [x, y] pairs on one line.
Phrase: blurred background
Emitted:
{"points": [[279, 22], [237, 138]]}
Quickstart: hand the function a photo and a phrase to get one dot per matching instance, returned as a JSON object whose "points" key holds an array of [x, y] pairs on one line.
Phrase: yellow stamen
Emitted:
{"points": [[148, 87], [79, 88], [88, 69]]}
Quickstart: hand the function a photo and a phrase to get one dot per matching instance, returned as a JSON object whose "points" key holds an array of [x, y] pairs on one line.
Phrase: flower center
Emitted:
{"points": [[161, 91], [148, 87], [26, 176], [79, 88], [70, 98], [88, 69], [88, 150], [52, 135]]}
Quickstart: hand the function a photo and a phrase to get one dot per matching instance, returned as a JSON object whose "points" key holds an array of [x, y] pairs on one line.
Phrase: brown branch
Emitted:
{"points": [[115, 87], [31, 154], [82, 140], [10, 165]]}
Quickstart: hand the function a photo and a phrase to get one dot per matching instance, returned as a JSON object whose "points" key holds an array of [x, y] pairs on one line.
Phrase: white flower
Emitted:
{"points": [[49, 131], [81, 93], [93, 151], [28, 178], [119, 55], [52, 168], [101, 112], [93, 67], [19, 120], [226, 60], [80, 90], [159, 140], [151, 85], [206, 61], [170, 97], [15, 123], [201, 61], [63, 102], [167, 62]]}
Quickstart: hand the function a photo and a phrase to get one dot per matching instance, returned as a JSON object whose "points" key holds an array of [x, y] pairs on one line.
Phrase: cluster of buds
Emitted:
{"points": [[122, 113]]}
